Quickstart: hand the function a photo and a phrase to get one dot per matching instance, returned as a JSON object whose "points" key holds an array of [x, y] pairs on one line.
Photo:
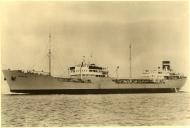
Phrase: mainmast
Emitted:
{"points": [[130, 59], [49, 54]]}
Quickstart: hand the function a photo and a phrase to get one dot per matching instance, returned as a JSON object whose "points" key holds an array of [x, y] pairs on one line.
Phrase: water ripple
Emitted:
{"points": [[96, 110]]}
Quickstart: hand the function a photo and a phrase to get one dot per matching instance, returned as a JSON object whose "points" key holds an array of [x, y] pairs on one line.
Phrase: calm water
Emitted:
{"points": [[96, 110]]}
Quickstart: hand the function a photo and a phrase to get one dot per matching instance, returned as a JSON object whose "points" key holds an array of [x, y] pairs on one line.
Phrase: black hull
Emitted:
{"points": [[97, 91]]}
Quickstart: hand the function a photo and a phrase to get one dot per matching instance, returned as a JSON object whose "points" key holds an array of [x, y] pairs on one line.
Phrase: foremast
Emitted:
{"points": [[49, 54]]}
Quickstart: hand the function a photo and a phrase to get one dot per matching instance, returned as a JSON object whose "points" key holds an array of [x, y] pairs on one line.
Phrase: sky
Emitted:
{"points": [[156, 30]]}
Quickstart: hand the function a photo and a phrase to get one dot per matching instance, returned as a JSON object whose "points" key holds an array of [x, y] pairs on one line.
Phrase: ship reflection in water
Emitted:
{"points": [[96, 110]]}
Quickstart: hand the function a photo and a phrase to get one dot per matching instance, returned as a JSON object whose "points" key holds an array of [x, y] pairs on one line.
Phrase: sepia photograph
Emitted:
{"points": [[95, 63]]}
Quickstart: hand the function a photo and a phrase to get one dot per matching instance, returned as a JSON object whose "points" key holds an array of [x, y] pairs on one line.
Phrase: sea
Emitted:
{"points": [[152, 109]]}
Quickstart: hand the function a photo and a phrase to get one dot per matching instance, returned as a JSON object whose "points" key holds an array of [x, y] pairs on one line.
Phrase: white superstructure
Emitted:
{"points": [[162, 73], [87, 70]]}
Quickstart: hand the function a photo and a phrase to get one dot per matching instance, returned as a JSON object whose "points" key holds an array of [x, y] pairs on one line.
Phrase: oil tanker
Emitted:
{"points": [[89, 78]]}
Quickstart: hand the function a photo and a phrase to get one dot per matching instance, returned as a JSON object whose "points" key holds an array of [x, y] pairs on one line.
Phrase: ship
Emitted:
{"points": [[90, 78]]}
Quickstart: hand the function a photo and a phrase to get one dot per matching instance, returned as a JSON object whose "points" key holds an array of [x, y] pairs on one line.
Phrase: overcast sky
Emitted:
{"points": [[157, 31]]}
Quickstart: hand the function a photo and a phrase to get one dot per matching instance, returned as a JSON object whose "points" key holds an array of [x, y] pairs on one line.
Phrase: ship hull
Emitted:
{"points": [[33, 83], [96, 91]]}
